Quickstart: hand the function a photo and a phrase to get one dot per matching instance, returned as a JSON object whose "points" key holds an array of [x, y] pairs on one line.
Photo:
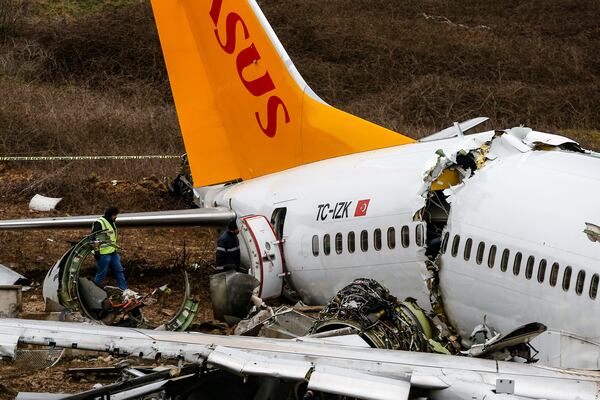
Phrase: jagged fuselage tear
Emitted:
{"points": [[362, 216]]}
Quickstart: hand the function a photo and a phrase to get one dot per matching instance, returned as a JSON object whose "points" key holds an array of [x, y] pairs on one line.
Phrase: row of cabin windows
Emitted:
{"points": [[529, 266], [364, 240]]}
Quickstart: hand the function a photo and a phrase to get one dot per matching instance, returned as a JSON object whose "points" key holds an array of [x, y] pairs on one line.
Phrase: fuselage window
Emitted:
{"points": [[364, 240], [542, 270], [405, 236], [468, 245], [391, 238], [315, 245], [594, 286], [419, 230], [504, 260], [554, 274], [455, 244], [517, 263], [377, 239], [566, 279], [492, 256], [326, 244], [351, 242], [529, 267], [445, 242], [338, 243], [580, 282], [480, 251]]}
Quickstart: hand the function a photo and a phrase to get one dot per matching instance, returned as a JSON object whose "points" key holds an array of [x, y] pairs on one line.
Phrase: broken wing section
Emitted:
{"points": [[322, 367], [196, 217]]}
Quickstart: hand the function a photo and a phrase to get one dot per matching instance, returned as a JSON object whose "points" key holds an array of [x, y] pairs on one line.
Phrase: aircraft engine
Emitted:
{"points": [[381, 319], [65, 289]]}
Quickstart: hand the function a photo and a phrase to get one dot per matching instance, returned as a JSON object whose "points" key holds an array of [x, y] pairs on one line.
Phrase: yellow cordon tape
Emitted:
{"points": [[84, 158]]}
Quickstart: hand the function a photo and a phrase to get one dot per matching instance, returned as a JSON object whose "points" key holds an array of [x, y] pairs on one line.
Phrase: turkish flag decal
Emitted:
{"points": [[361, 208]]}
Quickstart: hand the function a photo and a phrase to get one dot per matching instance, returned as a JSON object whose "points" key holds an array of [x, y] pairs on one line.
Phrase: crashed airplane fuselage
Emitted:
{"points": [[490, 224]]}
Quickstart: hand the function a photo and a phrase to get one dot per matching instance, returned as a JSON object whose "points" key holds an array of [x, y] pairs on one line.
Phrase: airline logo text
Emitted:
{"points": [[246, 57]]}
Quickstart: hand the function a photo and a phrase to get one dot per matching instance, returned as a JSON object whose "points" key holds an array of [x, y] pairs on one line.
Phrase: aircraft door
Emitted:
{"points": [[277, 221], [266, 257]]}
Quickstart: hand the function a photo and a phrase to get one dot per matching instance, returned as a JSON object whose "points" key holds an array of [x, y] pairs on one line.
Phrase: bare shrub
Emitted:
{"points": [[532, 62], [69, 120], [40, 119], [23, 58], [12, 13], [115, 49]]}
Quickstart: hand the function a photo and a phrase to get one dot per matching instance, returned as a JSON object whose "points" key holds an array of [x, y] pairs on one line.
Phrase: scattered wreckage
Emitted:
{"points": [[309, 367], [366, 309], [11, 285], [134, 382], [78, 298], [64, 288], [362, 315], [10, 277]]}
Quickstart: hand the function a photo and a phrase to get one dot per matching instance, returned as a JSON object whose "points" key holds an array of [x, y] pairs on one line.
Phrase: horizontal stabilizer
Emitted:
{"points": [[195, 217], [455, 130]]}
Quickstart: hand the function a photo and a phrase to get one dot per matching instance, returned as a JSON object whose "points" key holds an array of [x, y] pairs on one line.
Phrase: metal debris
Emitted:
{"points": [[158, 383], [592, 231], [10, 277], [65, 289], [10, 301], [26, 361], [231, 295], [380, 319], [505, 347], [43, 203], [283, 323]]}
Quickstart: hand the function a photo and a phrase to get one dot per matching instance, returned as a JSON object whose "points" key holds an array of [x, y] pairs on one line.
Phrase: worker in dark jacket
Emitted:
{"points": [[106, 256], [228, 248]]}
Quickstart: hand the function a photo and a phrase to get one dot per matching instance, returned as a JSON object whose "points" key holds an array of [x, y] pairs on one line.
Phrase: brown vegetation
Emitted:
{"points": [[87, 77], [424, 64]]}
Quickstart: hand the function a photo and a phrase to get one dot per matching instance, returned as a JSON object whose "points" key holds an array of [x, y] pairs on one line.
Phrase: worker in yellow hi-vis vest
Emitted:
{"points": [[107, 256]]}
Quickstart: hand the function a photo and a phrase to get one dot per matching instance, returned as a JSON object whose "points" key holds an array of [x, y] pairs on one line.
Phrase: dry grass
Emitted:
{"points": [[42, 119], [419, 64], [12, 14], [69, 120], [87, 77], [588, 138]]}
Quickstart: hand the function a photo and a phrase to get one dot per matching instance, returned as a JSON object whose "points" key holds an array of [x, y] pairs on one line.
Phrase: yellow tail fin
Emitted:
{"points": [[243, 108]]}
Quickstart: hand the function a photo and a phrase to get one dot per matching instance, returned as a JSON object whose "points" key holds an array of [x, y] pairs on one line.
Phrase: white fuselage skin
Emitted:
{"points": [[535, 203]]}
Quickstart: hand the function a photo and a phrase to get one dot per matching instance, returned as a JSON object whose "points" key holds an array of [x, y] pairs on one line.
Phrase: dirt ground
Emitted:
{"points": [[151, 257]]}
